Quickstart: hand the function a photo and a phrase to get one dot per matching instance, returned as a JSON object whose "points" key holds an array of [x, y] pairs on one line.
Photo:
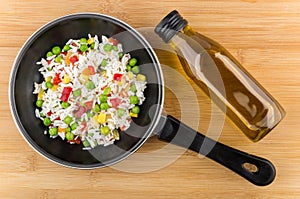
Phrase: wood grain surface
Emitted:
{"points": [[264, 35]]}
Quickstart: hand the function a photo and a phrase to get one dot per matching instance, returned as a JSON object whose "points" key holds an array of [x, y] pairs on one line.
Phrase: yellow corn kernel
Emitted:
{"points": [[141, 78], [61, 130], [130, 75], [54, 87], [90, 40], [101, 118], [133, 114], [85, 77], [66, 79], [41, 94], [48, 79]]}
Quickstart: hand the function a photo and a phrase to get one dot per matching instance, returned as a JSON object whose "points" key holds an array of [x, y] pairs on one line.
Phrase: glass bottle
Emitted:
{"points": [[249, 106]]}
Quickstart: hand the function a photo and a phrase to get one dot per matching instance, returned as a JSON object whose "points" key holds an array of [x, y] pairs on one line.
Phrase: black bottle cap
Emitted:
{"points": [[170, 25]]}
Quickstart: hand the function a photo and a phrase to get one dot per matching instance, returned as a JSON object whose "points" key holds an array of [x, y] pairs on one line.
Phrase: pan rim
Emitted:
{"points": [[12, 80]]}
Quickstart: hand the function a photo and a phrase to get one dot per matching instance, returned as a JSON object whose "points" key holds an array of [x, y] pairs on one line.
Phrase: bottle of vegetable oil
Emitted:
{"points": [[249, 106]]}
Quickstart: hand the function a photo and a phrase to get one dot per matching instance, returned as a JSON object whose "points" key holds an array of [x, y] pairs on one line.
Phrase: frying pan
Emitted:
{"points": [[57, 32]]}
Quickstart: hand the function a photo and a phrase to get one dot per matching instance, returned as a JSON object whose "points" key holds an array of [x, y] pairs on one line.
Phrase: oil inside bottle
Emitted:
{"points": [[227, 83]]}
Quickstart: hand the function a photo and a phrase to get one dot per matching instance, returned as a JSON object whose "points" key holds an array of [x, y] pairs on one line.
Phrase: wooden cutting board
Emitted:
{"points": [[263, 35]]}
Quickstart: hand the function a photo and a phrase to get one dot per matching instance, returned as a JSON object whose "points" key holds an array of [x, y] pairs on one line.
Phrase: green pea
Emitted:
{"points": [[96, 108], [68, 120], [90, 85], [104, 106], [53, 131], [83, 40], [107, 90], [39, 103], [83, 47], [132, 62], [93, 45], [49, 54], [135, 110], [133, 88], [68, 129], [120, 55], [69, 136], [90, 114], [49, 85], [115, 48], [104, 130], [58, 59], [120, 112], [47, 121], [128, 67], [77, 93], [107, 47], [66, 48], [104, 62], [65, 104], [135, 69], [56, 50], [86, 143], [103, 98], [134, 99]]}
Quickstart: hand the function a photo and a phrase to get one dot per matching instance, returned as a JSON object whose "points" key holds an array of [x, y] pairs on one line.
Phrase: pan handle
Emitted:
{"points": [[257, 170]]}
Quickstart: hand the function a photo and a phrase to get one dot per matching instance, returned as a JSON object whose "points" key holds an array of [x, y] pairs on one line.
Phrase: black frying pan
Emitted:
{"points": [[57, 32]]}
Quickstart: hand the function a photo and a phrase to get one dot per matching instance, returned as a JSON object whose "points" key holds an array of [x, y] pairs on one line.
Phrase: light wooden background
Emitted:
{"points": [[263, 35]]}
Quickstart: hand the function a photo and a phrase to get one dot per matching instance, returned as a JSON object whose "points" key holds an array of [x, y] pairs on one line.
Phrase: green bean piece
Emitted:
{"points": [[90, 85], [77, 93], [86, 143], [120, 55], [104, 62], [93, 45], [133, 88]]}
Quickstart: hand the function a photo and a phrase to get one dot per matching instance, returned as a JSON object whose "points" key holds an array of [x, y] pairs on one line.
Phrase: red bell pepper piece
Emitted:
{"points": [[66, 94], [56, 79], [91, 70], [89, 105], [118, 77], [73, 59]]}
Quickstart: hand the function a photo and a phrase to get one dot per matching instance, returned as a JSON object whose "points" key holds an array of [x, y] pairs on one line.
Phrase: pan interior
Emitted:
{"points": [[25, 72]]}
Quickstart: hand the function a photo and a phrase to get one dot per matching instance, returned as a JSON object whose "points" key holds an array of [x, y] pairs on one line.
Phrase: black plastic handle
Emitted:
{"points": [[257, 170]]}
